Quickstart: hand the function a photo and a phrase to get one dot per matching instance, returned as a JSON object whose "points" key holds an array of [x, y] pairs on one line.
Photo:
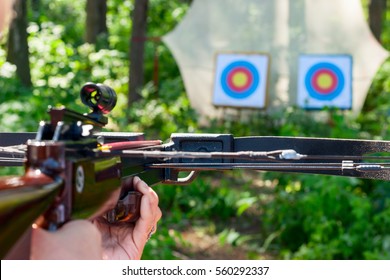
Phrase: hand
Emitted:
{"points": [[76, 240], [82, 239], [124, 241]]}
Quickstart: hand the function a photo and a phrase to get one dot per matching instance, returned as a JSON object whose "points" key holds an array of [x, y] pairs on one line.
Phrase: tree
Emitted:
{"points": [[18, 53], [96, 24], [137, 48], [376, 11]]}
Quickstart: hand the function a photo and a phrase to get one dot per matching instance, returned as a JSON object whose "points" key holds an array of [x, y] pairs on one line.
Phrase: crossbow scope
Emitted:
{"points": [[100, 98]]}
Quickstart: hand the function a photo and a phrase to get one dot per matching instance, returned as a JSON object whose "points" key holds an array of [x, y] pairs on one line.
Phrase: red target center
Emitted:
{"points": [[239, 79], [324, 81]]}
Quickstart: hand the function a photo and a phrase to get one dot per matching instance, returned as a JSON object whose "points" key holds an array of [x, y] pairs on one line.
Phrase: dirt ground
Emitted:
{"points": [[203, 244]]}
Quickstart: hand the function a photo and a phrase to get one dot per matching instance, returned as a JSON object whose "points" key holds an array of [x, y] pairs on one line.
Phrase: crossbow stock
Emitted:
{"points": [[73, 170]]}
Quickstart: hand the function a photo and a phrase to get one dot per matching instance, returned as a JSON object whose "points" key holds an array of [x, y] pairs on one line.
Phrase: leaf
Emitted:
{"points": [[244, 204]]}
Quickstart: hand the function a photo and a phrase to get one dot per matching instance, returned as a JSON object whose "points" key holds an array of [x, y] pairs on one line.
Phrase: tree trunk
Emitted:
{"points": [[17, 43], [96, 23], [376, 11], [137, 44]]}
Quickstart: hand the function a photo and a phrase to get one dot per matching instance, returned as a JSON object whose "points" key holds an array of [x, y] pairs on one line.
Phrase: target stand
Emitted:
{"points": [[241, 80], [325, 81]]}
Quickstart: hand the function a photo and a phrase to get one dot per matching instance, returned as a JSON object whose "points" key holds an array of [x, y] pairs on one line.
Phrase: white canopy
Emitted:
{"points": [[284, 29]]}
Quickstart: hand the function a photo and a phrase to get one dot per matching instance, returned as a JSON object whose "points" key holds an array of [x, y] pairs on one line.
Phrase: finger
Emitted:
{"points": [[149, 201], [149, 206], [158, 217], [150, 212]]}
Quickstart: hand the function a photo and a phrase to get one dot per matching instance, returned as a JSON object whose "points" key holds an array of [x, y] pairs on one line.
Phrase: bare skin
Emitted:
{"points": [[128, 242], [94, 240]]}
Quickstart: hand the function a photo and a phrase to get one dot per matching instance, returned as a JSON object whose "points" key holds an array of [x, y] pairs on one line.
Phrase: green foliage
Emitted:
{"points": [[202, 200], [119, 24], [70, 15], [376, 116], [161, 113], [209, 204], [385, 36], [328, 218]]}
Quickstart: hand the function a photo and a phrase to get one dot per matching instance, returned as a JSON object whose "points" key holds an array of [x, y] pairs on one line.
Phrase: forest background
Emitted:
{"points": [[229, 215]]}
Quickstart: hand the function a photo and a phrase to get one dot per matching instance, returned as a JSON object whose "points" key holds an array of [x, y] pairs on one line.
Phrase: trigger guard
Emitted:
{"points": [[127, 209]]}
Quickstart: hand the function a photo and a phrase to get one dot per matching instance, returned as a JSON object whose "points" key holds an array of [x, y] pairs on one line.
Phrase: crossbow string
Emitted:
{"points": [[287, 159]]}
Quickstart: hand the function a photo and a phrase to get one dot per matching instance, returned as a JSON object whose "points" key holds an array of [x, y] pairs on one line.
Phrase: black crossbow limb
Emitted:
{"points": [[73, 170]]}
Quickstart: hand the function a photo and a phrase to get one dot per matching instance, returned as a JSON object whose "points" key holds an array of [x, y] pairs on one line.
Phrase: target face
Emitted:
{"points": [[325, 81], [240, 80]]}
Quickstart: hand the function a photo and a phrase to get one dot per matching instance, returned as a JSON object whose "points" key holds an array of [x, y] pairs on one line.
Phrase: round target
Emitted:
{"points": [[324, 81], [240, 79]]}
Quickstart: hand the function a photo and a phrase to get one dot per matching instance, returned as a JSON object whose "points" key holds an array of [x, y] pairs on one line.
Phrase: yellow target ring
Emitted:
{"points": [[324, 81]]}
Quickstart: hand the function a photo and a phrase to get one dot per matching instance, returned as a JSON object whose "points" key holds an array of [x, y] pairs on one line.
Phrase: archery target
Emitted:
{"points": [[325, 81], [240, 80]]}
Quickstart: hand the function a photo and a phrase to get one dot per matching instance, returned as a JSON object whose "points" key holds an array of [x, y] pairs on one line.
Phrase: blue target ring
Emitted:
{"points": [[335, 73], [247, 69]]}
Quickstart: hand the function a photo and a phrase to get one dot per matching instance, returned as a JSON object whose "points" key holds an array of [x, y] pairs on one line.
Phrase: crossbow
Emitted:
{"points": [[74, 170]]}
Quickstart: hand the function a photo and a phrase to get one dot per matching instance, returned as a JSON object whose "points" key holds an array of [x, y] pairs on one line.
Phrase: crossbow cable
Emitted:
{"points": [[196, 152]]}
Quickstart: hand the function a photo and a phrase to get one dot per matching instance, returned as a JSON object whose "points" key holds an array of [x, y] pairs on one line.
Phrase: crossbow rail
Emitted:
{"points": [[197, 152]]}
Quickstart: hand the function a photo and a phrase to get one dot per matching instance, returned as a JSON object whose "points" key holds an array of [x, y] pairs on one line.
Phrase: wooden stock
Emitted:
{"points": [[22, 200]]}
